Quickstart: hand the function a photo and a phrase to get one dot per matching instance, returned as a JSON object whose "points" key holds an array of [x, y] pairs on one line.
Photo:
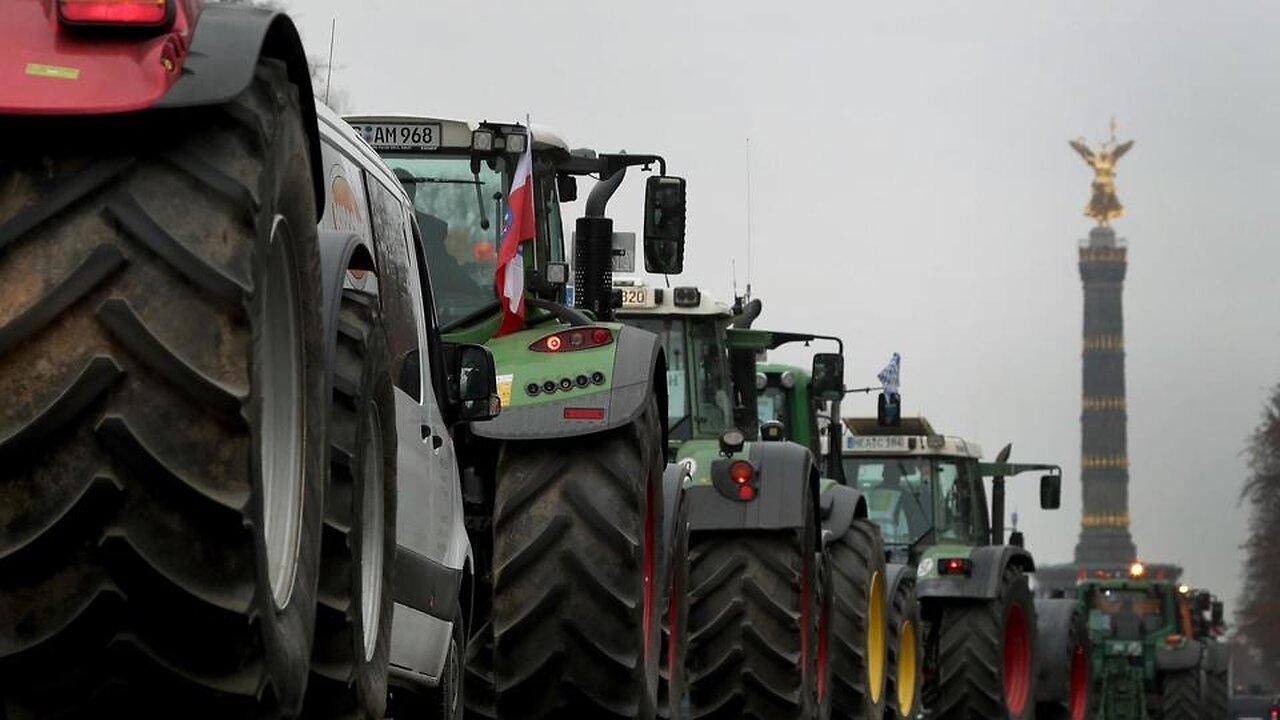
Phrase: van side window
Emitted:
{"points": [[396, 278]]}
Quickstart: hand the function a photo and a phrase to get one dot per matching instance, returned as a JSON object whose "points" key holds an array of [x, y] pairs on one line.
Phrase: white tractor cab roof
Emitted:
{"points": [[915, 436], [639, 298], [405, 132]]}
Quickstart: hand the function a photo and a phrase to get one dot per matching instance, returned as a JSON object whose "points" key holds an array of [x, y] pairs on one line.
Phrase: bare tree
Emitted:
{"points": [[1259, 623]]}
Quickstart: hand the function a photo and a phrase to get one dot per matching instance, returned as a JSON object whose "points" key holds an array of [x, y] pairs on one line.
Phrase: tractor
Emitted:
{"points": [[1155, 652], [984, 655], [784, 568], [787, 401], [220, 496], [570, 504]]}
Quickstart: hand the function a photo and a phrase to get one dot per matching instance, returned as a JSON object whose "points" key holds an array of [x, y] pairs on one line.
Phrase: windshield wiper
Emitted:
{"points": [[484, 215], [440, 181]]}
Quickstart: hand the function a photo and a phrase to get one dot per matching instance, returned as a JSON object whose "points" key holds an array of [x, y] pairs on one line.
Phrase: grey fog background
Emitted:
{"points": [[913, 191]]}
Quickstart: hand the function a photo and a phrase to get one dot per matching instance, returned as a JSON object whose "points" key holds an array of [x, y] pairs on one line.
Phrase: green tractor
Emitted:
{"points": [[570, 507], [787, 401], [1154, 650], [784, 568], [984, 655]]}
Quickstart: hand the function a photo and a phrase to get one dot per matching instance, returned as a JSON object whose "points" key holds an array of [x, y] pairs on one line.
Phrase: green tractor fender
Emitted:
{"points": [[1183, 657], [786, 478], [629, 366], [674, 479], [986, 567], [838, 506]]}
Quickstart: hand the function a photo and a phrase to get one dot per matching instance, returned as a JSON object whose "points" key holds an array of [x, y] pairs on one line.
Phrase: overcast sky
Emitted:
{"points": [[912, 191]]}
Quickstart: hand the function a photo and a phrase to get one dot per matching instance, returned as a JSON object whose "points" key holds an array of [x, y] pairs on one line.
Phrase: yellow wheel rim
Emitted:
{"points": [[875, 639], [906, 676]]}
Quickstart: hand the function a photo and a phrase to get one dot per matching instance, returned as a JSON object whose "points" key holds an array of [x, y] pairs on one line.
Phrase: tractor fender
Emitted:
{"points": [[673, 482], [838, 507], [983, 582], [1054, 620], [1185, 657], [225, 48], [786, 481], [638, 359]]}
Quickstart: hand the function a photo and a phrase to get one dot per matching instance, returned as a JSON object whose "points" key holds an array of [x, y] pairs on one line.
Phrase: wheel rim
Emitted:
{"points": [[875, 638], [373, 533], [649, 557], [907, 669], [1017, 660], [281, 433], [1079, 682]]}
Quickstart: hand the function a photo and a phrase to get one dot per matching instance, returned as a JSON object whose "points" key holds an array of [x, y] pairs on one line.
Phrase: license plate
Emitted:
{"points": [[638, 298], [389, 136]]}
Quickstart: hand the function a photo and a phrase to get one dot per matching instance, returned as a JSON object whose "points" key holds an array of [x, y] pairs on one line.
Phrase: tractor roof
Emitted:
{"points": [[641, 299], [457, 133], [915, 436]]}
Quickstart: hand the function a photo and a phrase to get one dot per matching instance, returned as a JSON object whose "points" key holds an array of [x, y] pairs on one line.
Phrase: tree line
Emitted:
{"points": [[1258, 617]]}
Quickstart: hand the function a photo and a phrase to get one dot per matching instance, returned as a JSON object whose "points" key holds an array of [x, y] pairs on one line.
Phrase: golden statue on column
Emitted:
{"points": [[1104, 206]]}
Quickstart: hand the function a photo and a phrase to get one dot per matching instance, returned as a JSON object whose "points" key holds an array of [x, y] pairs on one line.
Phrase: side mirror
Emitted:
{"points": [[773, 431], [889, 410], [1218, 613], [567, 188], [1017, 539], [828, 376], [664, 216], [477, 384], [1051, 492]]}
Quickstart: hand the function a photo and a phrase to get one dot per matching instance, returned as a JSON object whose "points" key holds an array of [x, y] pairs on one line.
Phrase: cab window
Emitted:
{"points": [[397, 282]]}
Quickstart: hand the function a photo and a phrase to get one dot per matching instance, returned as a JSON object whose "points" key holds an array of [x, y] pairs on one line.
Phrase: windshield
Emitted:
{"points": [[457, 213], [1134, 612], [697, 382], [899, 495], [771, 404]]}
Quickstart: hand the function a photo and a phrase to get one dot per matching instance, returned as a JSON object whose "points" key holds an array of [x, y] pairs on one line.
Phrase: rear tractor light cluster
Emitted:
{"points": [[121, 13], [581, 338], [565, 384], [736, 479], [954, 566]]}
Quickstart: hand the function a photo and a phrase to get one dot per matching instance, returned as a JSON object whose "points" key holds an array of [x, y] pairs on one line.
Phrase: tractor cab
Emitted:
{"points": [[458, 174]]}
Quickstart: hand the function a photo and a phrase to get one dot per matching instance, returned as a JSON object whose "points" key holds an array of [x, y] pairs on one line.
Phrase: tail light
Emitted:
{"points": [[583, 338], [735, 479], [954, 566], [135, 13]]}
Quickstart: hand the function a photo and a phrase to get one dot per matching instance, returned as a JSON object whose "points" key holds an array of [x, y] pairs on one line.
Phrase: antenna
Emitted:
{"points": [[748, 295], [328, 75]]}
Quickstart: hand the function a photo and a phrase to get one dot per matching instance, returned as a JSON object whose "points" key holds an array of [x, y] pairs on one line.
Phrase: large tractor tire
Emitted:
{"points": [[353, 619], [1062, 660], [755, 625], [1217, 695], [986, 654], [162, 436], [904, 669], [1181, 699], [858, 623], [675, 625], [576, 611]]}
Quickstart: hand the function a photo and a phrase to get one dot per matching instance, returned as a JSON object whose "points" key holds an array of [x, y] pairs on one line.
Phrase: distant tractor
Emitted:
{"points": [[1154, 647], [789, 406], [786, 576], [983, 653]]}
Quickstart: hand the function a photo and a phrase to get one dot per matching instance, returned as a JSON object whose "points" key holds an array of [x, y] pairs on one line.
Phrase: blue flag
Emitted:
{"points": [[889, 375]]}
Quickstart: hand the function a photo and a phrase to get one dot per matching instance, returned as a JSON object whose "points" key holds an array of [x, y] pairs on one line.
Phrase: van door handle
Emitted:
{"points": [[437, 442]]}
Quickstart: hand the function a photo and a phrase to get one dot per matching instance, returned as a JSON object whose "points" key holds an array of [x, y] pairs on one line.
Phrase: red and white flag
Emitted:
{"points": [[518, 225]]}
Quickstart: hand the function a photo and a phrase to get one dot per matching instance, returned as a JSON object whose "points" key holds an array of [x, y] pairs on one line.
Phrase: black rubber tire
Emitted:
{"points": [[345, 683], [1181, 695], [1057, 653], [971, 652], [1217, 695], [746, 634], [133, 570], [858, 567], [569, 580], [675, 626], [481, 698], [903, 609]]}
